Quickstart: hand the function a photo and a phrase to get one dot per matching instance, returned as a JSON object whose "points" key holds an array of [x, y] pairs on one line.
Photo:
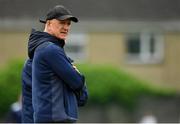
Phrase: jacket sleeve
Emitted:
{"points": [[82, 96], [57, 60]]}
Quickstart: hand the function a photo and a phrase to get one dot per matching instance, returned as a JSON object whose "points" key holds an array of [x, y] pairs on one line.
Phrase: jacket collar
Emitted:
{"points": [[57, 41]]}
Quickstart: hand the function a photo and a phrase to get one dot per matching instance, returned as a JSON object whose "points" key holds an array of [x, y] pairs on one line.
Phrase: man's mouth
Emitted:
{"points": [[63, 32]]}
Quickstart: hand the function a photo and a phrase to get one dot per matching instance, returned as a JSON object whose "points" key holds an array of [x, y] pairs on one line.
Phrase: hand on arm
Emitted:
{"points": [[76, 68], [63, 68]]}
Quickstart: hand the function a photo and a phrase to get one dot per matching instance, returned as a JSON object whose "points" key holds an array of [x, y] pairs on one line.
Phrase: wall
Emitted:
{"points": [[172, 60], [13, 45], [106, 48], [110, 48]]}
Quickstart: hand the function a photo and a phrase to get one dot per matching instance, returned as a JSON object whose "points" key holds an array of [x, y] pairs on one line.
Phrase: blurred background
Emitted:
{"points": [[127, 49]]}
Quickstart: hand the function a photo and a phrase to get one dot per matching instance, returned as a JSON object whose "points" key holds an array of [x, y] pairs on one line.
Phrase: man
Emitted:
{"points": [[58, 88]]}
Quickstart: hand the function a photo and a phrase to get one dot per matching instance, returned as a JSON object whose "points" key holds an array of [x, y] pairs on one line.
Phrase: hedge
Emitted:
{"points": [[10, 84], [109, 84], [106, 84]]}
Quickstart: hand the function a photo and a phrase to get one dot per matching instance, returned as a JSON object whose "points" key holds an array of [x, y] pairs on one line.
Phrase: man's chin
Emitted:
{"points": [[63, 38]]}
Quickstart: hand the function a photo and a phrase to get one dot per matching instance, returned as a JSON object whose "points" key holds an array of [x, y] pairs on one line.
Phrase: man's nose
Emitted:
{"points": [[66, 26]]}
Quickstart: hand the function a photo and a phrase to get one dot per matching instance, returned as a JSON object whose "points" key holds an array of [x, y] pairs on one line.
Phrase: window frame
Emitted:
{"points": [[145, 56]]}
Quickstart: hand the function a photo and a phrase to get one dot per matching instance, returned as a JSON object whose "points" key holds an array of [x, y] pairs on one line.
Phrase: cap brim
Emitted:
{"points": [[72, 18], [42, 20]]}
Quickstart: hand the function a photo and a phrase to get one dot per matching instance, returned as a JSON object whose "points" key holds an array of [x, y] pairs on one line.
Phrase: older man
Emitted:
{"points": [[58, 88]]}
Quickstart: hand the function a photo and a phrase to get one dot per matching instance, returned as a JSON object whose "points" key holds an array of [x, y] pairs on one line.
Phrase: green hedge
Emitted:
{"points": [[106, 84], [10, 84]]}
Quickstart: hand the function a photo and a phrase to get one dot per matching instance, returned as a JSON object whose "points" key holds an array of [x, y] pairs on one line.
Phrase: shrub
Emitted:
{"points": [[10, 84], [106, 84]]}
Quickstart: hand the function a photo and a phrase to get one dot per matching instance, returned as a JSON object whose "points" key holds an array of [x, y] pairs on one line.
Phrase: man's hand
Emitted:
{"points": [[76, 68]]}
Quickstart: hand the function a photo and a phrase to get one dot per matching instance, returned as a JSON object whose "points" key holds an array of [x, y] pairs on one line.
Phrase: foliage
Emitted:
{"points": [[10, 84], [106, 84]]}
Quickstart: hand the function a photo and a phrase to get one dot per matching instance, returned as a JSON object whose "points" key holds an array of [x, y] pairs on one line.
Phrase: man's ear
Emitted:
{"points": [[47, 26], [48, 22]]}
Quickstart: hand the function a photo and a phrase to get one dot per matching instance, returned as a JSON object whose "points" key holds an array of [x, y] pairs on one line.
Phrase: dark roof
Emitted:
{"points": [[96, 9]]}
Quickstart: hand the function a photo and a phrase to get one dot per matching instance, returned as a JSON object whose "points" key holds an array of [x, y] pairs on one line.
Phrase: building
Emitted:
{"points": [[141, 36]]}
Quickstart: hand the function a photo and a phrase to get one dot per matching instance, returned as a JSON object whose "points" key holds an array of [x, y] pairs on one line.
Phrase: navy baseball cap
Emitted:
{"points": [[58, 12]]}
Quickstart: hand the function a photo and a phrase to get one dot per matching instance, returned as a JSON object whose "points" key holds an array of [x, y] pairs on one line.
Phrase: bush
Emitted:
{"points": [[106, 84], [10, 84]]}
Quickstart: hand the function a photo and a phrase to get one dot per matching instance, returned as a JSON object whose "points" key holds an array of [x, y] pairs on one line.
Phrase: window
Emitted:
{"points": [[144, 48], [76, 47]]}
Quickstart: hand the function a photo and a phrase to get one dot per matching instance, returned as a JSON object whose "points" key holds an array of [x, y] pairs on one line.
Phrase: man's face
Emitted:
{"points": [[59, 28]]}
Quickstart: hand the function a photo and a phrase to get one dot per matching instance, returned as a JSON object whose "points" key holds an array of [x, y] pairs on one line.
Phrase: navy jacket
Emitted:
{"points": [[57, 88], [27, 109]]}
